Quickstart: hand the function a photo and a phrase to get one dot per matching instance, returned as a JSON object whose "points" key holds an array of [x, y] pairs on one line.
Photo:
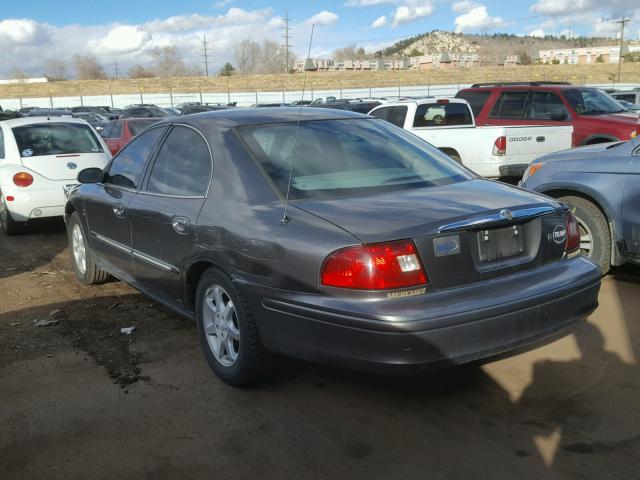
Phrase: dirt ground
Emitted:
{"points": [[78, 399]]}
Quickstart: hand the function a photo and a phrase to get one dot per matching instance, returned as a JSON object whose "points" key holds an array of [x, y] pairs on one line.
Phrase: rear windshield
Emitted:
{"points": [[55, 139], [139, 125], [348, 157], [476, 100]]}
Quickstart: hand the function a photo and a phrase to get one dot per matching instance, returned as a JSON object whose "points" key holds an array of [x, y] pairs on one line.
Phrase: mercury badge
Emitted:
{"points": [[72, 166], [506, 214]]}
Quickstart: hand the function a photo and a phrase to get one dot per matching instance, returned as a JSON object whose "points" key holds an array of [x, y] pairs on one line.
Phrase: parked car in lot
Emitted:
{"points": [[594, 115], [50, 112], [629, 107], [38, 159], [632, 96], [388, 256], [602, 184], [191, 109], [144, 111], [107, 112], [491, 151], [96, 120], [118, 133]]}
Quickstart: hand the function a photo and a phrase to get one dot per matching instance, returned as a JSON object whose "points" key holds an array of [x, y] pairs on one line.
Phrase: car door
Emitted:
{"points": [[631, 205], [165, 211], [106, 203]]}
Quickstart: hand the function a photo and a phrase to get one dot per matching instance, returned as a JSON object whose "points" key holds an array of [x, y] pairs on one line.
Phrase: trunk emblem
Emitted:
{"points": [[507, 214], [559, 234], [72, 165]]}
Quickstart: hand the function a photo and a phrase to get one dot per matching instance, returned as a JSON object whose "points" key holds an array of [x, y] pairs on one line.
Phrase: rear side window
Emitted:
{"points": [[476, 100], [395, 115], [436, 115], [547, 106], [55, 139], [127, 167], [183, 165], [628, 97], [139, 125], [510, 105]]}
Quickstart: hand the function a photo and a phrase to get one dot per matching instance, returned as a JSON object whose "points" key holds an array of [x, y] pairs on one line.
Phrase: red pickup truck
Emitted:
{"points": [[595, 116]]}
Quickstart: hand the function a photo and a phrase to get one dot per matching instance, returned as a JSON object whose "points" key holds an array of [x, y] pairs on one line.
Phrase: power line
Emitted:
{"points": [[115, 68], [286, 37], [623, 21], [205, 55]]}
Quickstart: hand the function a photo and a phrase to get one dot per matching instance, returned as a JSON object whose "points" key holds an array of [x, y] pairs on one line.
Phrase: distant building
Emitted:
{"points": [[585, 55], [326, 65]]}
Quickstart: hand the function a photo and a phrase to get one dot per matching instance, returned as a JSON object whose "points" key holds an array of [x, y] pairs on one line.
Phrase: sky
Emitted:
{"points": [[34, 31]]}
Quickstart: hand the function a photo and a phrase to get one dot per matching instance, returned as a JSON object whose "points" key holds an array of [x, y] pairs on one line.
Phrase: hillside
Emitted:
{"points": [[490, 45], [578, 74]]}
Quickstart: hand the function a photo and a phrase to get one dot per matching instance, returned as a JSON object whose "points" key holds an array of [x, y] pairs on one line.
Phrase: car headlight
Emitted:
{"points": [[634, 133], [531, 171]]}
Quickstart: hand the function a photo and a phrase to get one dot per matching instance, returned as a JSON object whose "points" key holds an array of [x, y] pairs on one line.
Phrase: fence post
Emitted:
{"points": [[81, 101], [171, 96], [229, 97], [256, 98], [370, 95], [399, 94], [111, 95], [283, 97], [21, 107], [200, 95]]}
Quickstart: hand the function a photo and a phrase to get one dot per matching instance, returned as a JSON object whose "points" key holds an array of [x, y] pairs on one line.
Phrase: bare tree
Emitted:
{"points": [[88, 68], [351, 52], [56, 71], [138, 71], [246, 55], [167, 62]]}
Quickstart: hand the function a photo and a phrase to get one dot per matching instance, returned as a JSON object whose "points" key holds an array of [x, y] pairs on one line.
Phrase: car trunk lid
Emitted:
{"points": [[65, 166], [463, 232]]}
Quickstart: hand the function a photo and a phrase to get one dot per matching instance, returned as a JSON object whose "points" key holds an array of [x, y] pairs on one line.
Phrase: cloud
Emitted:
{"points": [[124, 39], [379, 22], [411, 12], [322, 18], [463, 7], [222, 3], [558, 8], [23, 32], [477, 19], [368, 3]]}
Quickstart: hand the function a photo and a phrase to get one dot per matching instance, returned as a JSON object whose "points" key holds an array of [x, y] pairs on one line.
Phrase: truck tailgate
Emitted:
{"points": [[527, 143]]}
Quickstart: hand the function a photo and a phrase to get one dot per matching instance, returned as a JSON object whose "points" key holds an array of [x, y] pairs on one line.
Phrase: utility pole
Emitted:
{"points": [[115, 68], [623, 21], [286, 37], [205, 55]]}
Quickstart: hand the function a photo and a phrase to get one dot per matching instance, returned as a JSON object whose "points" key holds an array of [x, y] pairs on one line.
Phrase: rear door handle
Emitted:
{"points": [[180, 225], [118, 210]]}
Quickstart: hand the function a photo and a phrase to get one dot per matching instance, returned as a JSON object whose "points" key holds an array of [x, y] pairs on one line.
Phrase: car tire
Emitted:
{"points": [[82, 257], [595, 239], [8, 224], [228, 333]]}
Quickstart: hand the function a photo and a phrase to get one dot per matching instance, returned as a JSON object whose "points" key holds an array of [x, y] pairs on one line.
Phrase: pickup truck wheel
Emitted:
{"points": [[595, 239], [8, 224], [228, 333], [82, 258]]}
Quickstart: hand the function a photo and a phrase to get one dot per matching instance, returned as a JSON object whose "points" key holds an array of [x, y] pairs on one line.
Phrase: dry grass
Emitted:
{"points": [[578, 74]]}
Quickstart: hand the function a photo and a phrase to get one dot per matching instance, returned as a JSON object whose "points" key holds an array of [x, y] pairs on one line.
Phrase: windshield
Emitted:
{"points": [[348, 157], [591, 102], [55, 139]]}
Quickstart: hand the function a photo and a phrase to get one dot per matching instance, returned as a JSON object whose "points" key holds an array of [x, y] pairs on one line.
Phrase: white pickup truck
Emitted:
{"points": [[492, 151]]}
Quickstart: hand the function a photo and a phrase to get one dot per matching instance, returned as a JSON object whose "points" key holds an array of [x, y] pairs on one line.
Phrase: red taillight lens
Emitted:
{"points": [[22, 179], [500, 146], [573, 233], [375, 266]]}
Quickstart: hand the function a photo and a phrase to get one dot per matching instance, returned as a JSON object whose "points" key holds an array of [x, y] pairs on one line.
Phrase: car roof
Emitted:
{"points": [[422, 101], [253, 116], [550, 86], [18, 122]]}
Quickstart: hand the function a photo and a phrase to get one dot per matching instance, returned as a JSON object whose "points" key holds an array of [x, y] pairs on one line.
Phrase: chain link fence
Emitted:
{"points": [[244, 99]]}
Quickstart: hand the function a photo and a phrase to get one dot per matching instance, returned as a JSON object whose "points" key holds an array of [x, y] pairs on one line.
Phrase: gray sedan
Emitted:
{"points": [[329, 236], [602, 184]]}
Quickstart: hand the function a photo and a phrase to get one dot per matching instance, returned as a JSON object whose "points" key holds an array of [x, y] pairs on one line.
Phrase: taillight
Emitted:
{"points": [[572, 247], [374, 266], [22, 179], [500, 146]]}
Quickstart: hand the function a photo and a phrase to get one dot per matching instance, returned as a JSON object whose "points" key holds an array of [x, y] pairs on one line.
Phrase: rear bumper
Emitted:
{"points": [[474, 324], [29, 203]]}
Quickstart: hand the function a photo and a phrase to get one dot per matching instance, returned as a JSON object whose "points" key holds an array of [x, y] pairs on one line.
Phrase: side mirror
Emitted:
{"points": [[90, 175], [558, 113]]}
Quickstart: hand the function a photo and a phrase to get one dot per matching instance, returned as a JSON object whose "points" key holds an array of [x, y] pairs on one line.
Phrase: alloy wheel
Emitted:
{"points": [[79, 250], [221, 325], [586, 239]]}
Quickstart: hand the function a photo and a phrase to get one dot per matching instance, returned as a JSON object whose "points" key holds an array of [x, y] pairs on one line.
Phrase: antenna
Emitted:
{"points": [[284, 220]]}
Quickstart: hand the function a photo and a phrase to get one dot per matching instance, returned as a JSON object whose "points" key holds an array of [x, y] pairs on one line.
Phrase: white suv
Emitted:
{"points": [[40, 158]]}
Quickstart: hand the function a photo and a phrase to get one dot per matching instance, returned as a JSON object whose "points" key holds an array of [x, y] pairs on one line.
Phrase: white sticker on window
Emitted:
{"points": [[27, 152]]}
